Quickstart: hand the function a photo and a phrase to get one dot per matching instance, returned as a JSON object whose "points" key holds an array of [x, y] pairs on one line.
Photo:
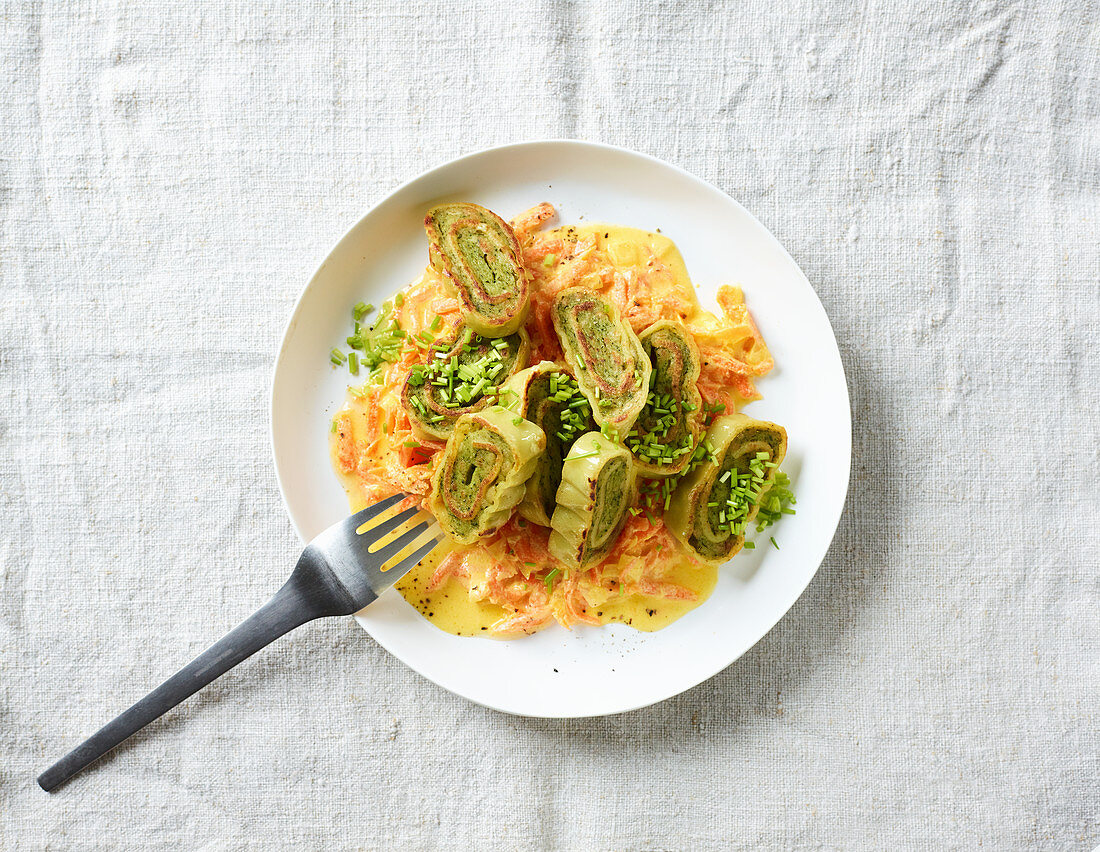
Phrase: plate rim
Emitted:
{"points": [[833, 523]]}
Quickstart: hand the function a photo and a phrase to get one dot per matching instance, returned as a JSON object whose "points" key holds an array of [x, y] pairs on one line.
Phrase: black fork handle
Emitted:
{"points": [[301, 599]]}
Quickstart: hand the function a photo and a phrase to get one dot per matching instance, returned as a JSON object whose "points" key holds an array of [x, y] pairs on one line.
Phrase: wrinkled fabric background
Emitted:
{"points": [[172, 175]]}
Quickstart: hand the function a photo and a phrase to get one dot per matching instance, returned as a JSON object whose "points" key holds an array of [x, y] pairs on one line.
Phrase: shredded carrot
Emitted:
{"points": [[347, 453], [520, 623], [452, 565], [530, 220]]}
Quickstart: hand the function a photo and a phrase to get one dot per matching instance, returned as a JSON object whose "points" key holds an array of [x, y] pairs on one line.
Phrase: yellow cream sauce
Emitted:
{"points": [[635, 249], [451, 607], [646, 613]]}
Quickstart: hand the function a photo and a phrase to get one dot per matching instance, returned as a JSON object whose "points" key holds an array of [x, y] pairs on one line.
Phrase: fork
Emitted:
{"points": [[337, 574]]}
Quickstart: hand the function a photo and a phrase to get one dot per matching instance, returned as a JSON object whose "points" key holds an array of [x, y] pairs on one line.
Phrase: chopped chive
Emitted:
{"points": [[334, 427], [399, 299], [337, 357], [436, 323], [776, 546], [353, 363]]}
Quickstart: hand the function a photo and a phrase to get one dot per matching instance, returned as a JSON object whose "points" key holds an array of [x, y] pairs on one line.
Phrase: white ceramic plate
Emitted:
{"points": [[601, 670]]}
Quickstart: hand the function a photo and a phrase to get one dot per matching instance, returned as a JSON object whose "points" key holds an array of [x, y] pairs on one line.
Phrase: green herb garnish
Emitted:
{"points": [[576, 413], [776, 501], [380, 341]]}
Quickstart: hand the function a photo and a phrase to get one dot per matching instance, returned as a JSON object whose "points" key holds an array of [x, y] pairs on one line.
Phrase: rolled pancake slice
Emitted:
{"points": [[713, 505], [449, 385], [671, 422], [605, 355], [480, 475], [480, 260], [597, 488], [545, 394]]}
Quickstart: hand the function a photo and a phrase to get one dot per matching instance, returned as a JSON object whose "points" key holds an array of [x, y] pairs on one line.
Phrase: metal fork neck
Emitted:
{"points": [[315, 588]]}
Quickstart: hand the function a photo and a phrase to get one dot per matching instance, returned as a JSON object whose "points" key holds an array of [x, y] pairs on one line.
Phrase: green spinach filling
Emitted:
{"points": [[667, 429], [480, 259], [490, 267], [471, 470], [610, 507], [611, 368], [744, 474], [555, 404], [463, 373]]}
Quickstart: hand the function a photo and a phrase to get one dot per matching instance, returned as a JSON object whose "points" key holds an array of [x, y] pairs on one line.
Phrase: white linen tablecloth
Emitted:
{"points": [[171, 174]]}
